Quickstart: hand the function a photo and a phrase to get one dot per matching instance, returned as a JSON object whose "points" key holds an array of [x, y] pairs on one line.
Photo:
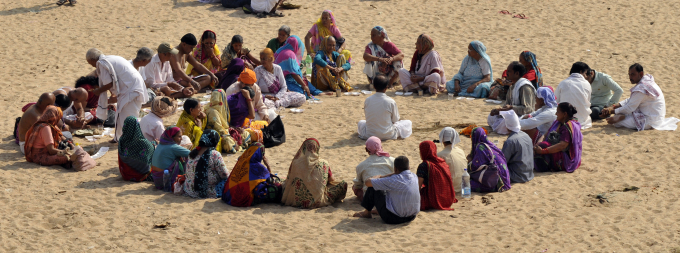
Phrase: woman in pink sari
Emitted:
{"points": [[427, 71]]}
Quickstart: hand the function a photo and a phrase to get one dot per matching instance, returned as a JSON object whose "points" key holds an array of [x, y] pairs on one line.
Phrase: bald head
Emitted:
{"points": [[45, 100], [78, 95]]}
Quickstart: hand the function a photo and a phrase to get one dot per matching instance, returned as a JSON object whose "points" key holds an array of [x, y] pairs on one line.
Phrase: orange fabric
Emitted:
{"points": [[50, 118], [247, 76], [468, 130]]}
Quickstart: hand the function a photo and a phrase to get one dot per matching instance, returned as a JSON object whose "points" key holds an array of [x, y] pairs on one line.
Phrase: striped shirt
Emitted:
{"points": [[402, 193]]}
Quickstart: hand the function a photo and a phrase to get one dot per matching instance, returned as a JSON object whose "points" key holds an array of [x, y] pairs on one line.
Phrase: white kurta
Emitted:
{"points": [[152, 127], [382, 119], [652, 108], [157, 74], [128, 86], [576, 90], [373, 166], [541, 120]]}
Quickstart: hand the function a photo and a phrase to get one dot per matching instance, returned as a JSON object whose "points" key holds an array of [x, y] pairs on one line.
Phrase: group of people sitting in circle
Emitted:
{"points": [[544, 125]]}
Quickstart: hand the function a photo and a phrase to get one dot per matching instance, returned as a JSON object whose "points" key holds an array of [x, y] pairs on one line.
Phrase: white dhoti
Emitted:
{"points": [[431, 81], [404, 129], [271, 113], [129, 109], [660, 123], [22, 144]]}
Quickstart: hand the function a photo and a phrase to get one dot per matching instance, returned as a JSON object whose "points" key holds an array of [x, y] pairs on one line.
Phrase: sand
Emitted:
{"points": [[50, 209]]}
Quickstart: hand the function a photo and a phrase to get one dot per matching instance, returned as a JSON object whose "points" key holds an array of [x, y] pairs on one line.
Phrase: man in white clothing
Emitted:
{"points": [[645, 108], [521, 98], [125, 83], [576, 90], [158, 74], [382, 115]]}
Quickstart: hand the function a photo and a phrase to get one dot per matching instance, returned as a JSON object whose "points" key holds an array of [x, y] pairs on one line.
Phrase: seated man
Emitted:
{"points": [[382, 115], [521, 97], [152, 124], [178, 65], [645, 108], [518, 150], [378, 163], [75, 114], [266, 7], [249, 78], [30, 116], [576, 91], [382, 57], [276, 43], [158, 74], [396, 196], [143, 58], [528, 59], [602, 87]]}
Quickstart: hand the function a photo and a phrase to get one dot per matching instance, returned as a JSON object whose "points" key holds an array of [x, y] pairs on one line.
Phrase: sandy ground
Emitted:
{"points": [[52, 209]]}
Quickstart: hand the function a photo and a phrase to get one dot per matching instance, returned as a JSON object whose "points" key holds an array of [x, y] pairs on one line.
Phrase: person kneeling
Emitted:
{"points": [[396, 196], [382, 115]]}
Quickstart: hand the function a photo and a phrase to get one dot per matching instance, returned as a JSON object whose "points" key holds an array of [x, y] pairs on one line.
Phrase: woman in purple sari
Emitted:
{"points": [[483, 152], [560, 148], [241, 106], [229, 76]]}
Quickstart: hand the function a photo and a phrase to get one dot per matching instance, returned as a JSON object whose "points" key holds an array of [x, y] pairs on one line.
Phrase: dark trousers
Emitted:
{"points": [[373, 198], [595, 115]]}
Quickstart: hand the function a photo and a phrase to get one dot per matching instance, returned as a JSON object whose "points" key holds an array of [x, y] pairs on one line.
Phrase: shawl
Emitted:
{"points": [[133, 148], [209, 139], [189, 128], [168, 134], [312, 171], [246, 175], [236, 66], [238, 109], [531, 58], [374, 147], [647, 86], [439, 193], [481, 50], [571, 160], [428, 63], [466, 81], [321, 30], [547, 95], [289, 56], [199, 55], [49, 118], [449, 134], [218, 105], [517, 86], [481, 156], [229, 52]]}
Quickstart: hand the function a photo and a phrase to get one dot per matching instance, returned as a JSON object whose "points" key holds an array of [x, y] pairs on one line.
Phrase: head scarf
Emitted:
{"points": [[382, 31], [199, 52], [308, 171], [531, 58], [209, 140], [321, 30], [481, 155], [289, 56], [374, 146], [246, 175], [229, 53], [439, 193], [547, 95], [324, 44], [163, 106], [425, 44], [449, 134], [218, 104], [168, 135], [49, 118], [236, 66], [247, 77], [132, 145], [511, 120], [481, 50]]}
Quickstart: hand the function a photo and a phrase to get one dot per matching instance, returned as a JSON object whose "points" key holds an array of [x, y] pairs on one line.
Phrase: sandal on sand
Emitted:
{"points": [[72, 2], [506, 12], [275, 14], [262, 15], [520, 16], [61, 2]]}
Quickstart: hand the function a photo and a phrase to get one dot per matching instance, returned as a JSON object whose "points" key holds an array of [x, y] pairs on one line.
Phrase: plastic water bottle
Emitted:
{"points": [[465, 187], [308, 64], [166, 181]]}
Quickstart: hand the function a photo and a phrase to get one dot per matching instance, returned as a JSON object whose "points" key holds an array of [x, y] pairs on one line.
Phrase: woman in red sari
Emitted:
{"points": [[434, 178]]}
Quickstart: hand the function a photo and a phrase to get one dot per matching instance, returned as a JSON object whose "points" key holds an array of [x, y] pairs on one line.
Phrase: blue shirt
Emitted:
{"points": [[402, 193], [164, 155]]}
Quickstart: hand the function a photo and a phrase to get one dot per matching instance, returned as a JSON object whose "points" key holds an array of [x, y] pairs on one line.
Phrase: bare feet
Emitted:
{"points": [[363, 214], [615, 119], [374, 211]]}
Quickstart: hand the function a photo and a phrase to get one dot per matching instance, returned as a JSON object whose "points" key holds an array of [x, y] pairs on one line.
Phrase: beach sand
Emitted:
{"points": [[50, 209]]}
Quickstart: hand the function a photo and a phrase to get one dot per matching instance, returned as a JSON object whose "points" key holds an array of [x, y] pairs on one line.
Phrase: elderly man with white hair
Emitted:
{"points": [[117, 75], [382, 57], [518, 150]]}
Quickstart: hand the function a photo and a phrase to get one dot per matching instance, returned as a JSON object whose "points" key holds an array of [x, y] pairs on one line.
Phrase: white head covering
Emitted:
{"points": [[511, 120], [449, 134]]}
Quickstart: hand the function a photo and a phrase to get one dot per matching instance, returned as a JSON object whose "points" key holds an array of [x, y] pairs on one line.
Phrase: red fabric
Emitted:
{"points": [[240, 195], [92, 99], [439, 193], [128, 173], [389, 47], [530, 75], [23, 109], [414, 62]]}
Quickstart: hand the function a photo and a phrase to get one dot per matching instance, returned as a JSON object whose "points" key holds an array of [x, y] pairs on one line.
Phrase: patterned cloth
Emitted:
{"points": [[134, 151], [189, 128], [481, 155], [309, 182], [567, 160], [319, 32], [323, 78], [531, 58], [247, 174], [426, 62], [201, 57], [205, 172], [438, 193], [217, 114], [48, 119]]}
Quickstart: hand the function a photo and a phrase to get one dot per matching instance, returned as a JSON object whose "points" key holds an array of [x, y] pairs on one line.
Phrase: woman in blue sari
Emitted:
{"points": [[288, 57], [475, 75]]}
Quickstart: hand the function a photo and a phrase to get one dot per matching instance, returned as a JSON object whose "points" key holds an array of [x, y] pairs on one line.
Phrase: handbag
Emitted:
{"points": [[82, 160], [274, 134], [553, 137], [487, 175], [269, 191]]}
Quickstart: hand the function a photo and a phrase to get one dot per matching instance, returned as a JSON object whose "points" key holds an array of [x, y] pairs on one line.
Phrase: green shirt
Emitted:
{"points": [[274, 44], [602, 87]]}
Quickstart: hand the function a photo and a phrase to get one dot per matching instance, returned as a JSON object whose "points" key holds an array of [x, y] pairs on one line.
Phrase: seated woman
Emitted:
{"points": [[475, 74], [206, 173], [247, 175], [382, 57], [310, 182], [434, 179], [330, 68], [134, 152], [288, 57], [537, 123], [426, 71], [326, 26], [453, 155], [534, 75], [248, 78], [272, 84], [242, 113], [218, 117], [484, 153], [230, 74], [560, 148], [235, 50], [42, 140], [207, 53], [275, 43], [192, 121], [169, 155]]}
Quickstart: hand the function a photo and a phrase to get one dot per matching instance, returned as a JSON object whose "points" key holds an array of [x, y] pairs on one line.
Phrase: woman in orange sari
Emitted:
{"points": [[42, 140]]}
